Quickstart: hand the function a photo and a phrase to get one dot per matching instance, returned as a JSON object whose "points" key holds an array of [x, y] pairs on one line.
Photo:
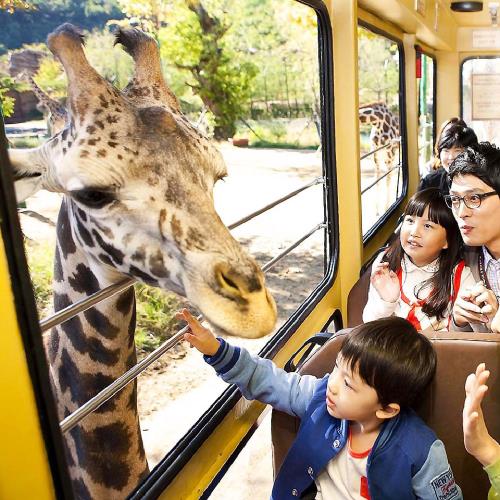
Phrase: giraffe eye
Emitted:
{"points": [[93, 198]]}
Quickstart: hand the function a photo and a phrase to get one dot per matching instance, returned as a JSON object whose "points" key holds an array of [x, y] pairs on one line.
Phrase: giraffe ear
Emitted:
{"points": [[159, 118], [28, 167]]}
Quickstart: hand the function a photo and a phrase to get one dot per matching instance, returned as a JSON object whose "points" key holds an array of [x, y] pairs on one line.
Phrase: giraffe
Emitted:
{"points": [[385, 128], [137, 180], [56, 111]]}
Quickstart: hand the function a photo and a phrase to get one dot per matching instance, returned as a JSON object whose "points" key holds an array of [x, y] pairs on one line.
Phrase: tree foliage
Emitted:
{"points": [[378, 68], [32, 26], [197, 43], [11, 5]]}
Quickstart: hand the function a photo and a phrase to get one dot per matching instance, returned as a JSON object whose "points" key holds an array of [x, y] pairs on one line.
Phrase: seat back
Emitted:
{"points": [[357, 299], [441, 408]]}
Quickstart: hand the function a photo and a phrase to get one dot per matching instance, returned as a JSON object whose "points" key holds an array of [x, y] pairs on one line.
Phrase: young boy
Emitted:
{"points": [[358, 437]]}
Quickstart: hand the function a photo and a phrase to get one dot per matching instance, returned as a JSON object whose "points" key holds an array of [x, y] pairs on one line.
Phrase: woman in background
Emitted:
{"points": [[453, 141]]}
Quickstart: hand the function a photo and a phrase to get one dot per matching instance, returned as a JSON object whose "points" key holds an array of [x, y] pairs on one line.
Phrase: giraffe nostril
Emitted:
{"points": [[228, 281]]}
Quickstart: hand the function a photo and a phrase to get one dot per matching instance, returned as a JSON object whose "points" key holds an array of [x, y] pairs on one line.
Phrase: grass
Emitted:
{"points": [[26, 142], [298, 133], [155, 308]]}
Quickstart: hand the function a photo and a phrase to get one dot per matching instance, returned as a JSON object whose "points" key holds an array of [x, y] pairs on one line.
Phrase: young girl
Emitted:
{"points": [[418, 277]]}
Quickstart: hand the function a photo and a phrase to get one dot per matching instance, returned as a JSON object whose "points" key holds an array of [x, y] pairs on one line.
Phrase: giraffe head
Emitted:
{"points": [[138, 180]]}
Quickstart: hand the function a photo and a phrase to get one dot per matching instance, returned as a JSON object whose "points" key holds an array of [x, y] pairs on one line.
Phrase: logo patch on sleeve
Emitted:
{"points": [[445, 487]]}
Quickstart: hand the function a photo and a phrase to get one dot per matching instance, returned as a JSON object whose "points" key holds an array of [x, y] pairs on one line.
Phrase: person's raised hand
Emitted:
{"points": [[197, 335], [386, 282], [477, 440]]}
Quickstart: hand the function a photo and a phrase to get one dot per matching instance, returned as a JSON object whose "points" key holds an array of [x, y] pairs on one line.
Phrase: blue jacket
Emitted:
{"points": [[407, 461]]}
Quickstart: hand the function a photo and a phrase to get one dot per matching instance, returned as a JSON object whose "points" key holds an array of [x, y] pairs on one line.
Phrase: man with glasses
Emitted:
{"points": [[475, 202]]}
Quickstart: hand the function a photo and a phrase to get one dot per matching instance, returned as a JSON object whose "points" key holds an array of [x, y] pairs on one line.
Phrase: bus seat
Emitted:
{"points": [[441, 408], [357, 298]]}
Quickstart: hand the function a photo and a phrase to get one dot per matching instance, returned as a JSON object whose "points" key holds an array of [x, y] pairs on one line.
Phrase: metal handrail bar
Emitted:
{"points": [[99, 399], [287, 250], [318, 180], [373, 151], [376, 181], [84, 304]]}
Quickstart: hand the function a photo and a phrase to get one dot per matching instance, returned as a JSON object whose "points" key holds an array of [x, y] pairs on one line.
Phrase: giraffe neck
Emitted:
{"points": [[105, 453], [51, 104]]}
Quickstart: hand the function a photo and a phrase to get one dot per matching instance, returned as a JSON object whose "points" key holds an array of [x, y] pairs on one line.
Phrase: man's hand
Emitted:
{"points": [[385, 282], [477, 440], [495, 323], [476, 304], [197, 335]]}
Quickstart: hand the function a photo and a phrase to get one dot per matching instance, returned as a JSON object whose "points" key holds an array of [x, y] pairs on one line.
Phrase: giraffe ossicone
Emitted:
{"points": [[137, 180]]}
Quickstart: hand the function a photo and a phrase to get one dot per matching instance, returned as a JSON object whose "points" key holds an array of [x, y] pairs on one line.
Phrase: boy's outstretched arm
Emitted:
{"points": [[197, 335], [256, 377], [477, 440]]}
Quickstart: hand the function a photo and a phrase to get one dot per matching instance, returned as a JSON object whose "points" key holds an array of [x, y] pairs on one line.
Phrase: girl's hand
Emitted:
{"points": [[385, 282], [477, 440], [197, 335]]}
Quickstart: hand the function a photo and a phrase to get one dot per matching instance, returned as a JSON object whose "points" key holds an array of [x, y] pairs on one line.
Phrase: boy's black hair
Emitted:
{"points": [[457, 136], [392, 357], [481, 161], [440, 282]]}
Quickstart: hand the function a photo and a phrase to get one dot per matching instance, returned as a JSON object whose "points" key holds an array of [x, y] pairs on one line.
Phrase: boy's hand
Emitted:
{"points": [[476, 438], [198, 336], [385, 282]]}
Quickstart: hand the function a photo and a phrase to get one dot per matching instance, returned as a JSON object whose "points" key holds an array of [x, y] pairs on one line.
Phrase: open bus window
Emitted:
{"points": [[261, 102], [426, 113], [480, 110], [380, 115]]}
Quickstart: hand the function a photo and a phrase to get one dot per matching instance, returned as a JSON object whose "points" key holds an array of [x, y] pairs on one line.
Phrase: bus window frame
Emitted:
{"points": [[461, 75], [434, 92], [176, 458], [372, 232], [161, 476], [29, 326]]}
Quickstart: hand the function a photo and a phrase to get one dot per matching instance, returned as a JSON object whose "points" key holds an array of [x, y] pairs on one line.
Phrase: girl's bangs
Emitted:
{"points": [[416, 208]]}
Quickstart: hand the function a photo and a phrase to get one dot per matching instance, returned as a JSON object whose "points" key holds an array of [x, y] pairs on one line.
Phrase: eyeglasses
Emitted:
{"points": [[470, 200]]}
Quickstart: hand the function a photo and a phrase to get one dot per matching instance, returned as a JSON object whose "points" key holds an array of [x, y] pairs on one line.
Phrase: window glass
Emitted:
{"points": [[426, 85], [480, 79], [380, 118], [246, 72]]}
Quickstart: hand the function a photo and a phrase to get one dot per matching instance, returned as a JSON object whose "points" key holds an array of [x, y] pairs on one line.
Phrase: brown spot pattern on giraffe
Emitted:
{"points": [[84, 280], [157, 265], [176, 227], [102, 454], [161, 220], [195, 239]]}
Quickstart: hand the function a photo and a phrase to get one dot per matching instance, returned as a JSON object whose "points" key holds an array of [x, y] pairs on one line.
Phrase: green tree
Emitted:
{"points": [[6, 102], [11, 5], [196, 43], [378, 69]]}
